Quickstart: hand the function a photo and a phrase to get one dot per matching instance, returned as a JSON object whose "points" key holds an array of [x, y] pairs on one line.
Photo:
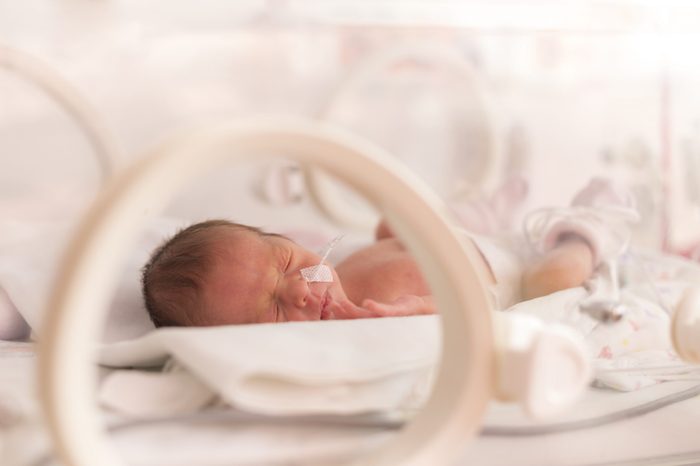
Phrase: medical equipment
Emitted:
{"points": [[608, 230], [473, 163], [686, 326], [542, 228], [321, 272], [429, 438], [317, 273], [70, 100], [531, 81], [604, 311]]}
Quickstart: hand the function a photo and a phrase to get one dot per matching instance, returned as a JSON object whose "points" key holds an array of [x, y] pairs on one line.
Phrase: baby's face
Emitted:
{"points": [[257, 279]]}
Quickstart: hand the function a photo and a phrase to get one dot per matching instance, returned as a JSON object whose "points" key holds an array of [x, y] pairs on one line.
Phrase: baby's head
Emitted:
{"points": [[219, 273]]}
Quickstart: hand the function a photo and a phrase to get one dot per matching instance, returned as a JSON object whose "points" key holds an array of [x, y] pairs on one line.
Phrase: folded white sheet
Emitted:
{"points": [[333, 367]]}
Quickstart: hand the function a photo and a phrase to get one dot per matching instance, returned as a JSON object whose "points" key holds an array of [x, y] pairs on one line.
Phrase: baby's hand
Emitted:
{"points": [[407, 305], [348, 310]]}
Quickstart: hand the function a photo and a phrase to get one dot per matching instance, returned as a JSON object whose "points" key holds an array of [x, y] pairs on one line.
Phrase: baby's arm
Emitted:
{"points": [[407, 305], [567, 265]]}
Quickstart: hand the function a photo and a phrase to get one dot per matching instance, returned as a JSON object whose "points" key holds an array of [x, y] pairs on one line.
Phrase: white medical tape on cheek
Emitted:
{"points": [[320, 272], [317, 273]]}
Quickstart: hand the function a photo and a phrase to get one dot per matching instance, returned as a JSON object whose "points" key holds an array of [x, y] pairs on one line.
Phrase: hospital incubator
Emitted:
{"points": [[315, 120]]}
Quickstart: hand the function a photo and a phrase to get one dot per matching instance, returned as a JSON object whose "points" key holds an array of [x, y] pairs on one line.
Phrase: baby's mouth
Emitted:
{"points": [[325, 301]]}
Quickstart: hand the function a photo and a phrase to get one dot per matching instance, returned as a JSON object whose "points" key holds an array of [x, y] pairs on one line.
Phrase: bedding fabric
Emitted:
{"points": [[30, 253]]}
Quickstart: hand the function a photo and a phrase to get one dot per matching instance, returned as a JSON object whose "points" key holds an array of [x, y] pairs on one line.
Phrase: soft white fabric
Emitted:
{"points": [[636, 351], [643, 329], [506, 256], [336, 367], [23, 437], [17, 374], [145, 394], [127, 316], [34, 223], [30, 254]]}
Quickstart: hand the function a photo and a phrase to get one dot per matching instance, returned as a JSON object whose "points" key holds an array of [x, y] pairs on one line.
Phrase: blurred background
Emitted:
{"points": [[474, 96], [467, 93]]}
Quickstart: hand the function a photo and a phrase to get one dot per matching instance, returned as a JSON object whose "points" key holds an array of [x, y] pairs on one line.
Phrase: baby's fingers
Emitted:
{"points": [[406, 305], [348, 310], [377, 309]]}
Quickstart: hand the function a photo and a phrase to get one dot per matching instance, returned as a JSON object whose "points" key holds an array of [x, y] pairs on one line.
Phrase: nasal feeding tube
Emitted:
{"points": [[321, 272]]}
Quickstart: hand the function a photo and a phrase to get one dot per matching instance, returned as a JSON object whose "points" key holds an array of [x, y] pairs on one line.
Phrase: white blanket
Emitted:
{"points": [[29, 258], [292, 368]]}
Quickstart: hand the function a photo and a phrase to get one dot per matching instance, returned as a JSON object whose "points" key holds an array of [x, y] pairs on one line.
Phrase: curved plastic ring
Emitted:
{"points": [[87, 277], [67, 98], [323, 191]]}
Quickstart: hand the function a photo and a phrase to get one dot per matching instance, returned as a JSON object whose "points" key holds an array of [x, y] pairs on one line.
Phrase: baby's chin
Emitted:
{"points": [[332, 311]]}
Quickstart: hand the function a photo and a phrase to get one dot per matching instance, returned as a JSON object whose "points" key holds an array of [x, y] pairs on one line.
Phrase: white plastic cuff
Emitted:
{"points": [[544, 367], [685, 329]]}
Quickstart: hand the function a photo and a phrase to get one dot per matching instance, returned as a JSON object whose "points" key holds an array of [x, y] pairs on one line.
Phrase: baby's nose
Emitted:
{"points": [[296, 290]]}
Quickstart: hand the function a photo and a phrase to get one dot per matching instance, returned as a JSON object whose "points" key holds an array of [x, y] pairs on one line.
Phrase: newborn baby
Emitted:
{"points": [[219, 273]]}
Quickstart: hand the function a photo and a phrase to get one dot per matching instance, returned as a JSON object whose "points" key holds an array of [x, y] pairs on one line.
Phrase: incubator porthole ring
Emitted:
{"points": [[88, 274], [323, 190], [69, 99]]}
